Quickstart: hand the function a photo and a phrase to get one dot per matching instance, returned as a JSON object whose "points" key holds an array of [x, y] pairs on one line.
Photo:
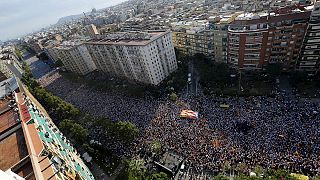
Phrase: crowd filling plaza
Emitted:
{"points": [[271, 132]]}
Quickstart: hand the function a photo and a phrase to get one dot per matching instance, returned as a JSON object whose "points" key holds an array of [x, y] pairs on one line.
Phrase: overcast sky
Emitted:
{"points": [[18, 17]]}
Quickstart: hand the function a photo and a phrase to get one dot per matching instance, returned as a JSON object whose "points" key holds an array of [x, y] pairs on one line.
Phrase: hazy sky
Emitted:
{"points": [[18, 17]]}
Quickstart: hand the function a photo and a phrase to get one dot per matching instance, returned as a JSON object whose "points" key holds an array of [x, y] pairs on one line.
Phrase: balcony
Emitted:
{"points": [[248, 29]]}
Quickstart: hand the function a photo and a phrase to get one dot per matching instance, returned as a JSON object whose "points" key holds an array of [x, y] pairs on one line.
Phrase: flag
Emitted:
{"points": [[189, 114]]}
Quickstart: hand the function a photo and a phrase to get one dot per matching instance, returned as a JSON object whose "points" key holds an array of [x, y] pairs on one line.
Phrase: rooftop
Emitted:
{"points": [[13, 149], [128, 38]]}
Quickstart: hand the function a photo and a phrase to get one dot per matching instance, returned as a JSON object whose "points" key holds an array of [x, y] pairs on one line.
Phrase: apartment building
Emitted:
{"points": [[179, 41], [194, 41], [74, 56], [32, 147], [287, 29], [48, 49], [52, 53], [248, 36], [146, 57], [254, 40], [309, 59], [220, 37]]}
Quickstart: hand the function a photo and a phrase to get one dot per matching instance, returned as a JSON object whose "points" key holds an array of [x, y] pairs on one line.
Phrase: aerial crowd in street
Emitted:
{"points": [[272, 132]]}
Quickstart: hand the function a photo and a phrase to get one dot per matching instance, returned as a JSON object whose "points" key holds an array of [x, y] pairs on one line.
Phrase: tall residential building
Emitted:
{"points": [[74, 56], [194, 41], [220, 37], [287, 28], [258, 39], [248, 36], [31, 146], [310, 52], [147, 57], [48, 49]]}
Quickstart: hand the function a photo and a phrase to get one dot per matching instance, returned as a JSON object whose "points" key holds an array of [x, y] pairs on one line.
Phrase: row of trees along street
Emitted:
{"points": [[74, 124]]}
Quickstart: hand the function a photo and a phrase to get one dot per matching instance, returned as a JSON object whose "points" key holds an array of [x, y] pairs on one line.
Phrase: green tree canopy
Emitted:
{"points": [[158, 176], [173, 97], [274, 69], [136, 169], [155, 146], [74, 129], [125, 131]]}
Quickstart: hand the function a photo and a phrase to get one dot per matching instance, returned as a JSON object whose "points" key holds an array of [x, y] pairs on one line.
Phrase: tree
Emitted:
{"points": [[220, 177], [173, 97], [279, 174], [75, 130], [241, 168], [158, 176], [274, 69], [155, 146], [136, 169], [79, 133], [244, 177], [258, 170], [125, 131], [66, 124], [18, 53], [88, 148]]}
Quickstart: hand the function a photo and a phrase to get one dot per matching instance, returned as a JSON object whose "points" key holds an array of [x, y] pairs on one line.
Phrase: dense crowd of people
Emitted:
{"points": [[278, 132]]}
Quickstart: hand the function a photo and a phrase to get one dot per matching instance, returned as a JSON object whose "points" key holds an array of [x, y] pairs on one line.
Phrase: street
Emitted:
{"points": [[38, 67]]}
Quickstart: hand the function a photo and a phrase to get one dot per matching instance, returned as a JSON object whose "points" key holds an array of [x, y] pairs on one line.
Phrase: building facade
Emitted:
{"points": [[247, 40], [220, 37], [74, 56], [191, 42], [220, 41], [255, 40], [32, 147], [144, 57], [309, 59], [286, 34]]}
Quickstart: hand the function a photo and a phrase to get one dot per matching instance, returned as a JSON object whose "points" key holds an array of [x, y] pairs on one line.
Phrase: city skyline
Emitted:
{"points": [[18, 19]]}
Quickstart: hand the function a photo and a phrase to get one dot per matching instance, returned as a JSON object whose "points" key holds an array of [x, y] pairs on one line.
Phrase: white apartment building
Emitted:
{"points": [[74, 56], [147, 57]]}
